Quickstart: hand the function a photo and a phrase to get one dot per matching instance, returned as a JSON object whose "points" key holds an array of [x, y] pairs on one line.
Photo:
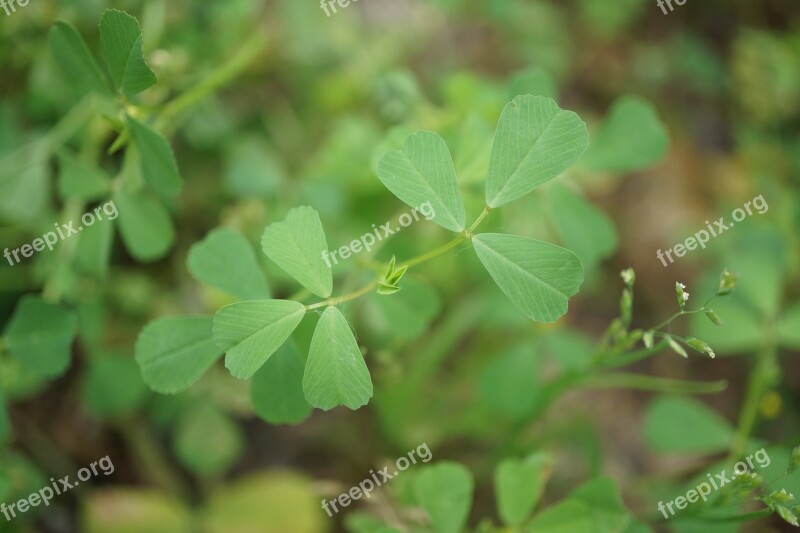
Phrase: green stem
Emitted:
{"points": [[226, 73], [761, 380], [345, 298], [632, 357], [44, 148], [150, 457], [67, 248], [433, 253], [466, 234], [653, 384]]}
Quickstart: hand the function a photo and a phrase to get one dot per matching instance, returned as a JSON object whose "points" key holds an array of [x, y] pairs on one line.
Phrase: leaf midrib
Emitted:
{"points": [[427, 183], [521, 269], [510, 177]]}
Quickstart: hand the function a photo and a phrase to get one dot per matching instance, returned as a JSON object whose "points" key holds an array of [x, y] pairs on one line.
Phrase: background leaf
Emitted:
{"points": [[631, 138], [207, 441], [79, 180], [93, 252], [566, 516], [471, 158], [277, 501], [277, 390], [336, 373], [535, 81], [131, 510], [145, 225], [604, 501], [40, 335], [225, 260], [113, 386], [5, 427], [700, 429], [173, 353], [519, 485], [250, 332], [789, 327], [538, 277], [445, 490], [584, 229], [296, 245], [423, 172], [535, 142]]}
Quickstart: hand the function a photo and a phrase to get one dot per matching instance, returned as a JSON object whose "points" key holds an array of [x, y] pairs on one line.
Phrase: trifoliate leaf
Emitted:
{"points": [[121, 37], [537, 276], [336, 373], [535, 142], [250, 332], [297, 245], [424, 172], [74, 57], [159, 168]]}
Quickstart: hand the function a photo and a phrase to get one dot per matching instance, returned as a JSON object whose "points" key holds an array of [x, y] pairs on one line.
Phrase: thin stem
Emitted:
{"points": [[683, 312], [41, 150], [434, 253], [219, 78], [466, 234], [653, 384], [761, 379], [632, 357], [478, 221], [345, 298]]}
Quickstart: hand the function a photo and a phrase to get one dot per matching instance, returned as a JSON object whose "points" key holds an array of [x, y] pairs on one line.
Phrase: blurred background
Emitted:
{"points": [[691, 115]]}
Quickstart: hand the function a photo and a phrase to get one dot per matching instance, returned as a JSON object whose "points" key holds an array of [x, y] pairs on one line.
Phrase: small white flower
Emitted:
{"points": [[628, 276], [685, 296]]}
